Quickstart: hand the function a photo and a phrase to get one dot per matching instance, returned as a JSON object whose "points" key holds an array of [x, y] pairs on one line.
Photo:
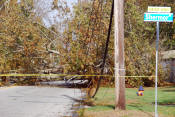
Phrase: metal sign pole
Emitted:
{"points": [[158, 14], [157, 47]]}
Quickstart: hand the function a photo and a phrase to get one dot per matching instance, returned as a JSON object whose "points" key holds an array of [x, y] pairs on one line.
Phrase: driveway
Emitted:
{"points": [[31, 101]]}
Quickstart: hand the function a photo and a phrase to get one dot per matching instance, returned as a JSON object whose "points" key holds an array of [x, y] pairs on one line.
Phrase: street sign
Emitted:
{"points": [[159, 9], [158, 14], [158, 17]]}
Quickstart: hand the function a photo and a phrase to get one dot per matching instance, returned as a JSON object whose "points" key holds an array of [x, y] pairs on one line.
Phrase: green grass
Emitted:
{"points": [[105, 97]]}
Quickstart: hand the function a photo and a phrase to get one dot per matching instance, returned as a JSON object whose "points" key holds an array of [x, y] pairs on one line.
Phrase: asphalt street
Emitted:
{"points": [[30, 101]]}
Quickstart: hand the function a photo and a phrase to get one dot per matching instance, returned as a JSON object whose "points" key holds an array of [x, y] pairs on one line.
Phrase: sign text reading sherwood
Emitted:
{"points": [[158, 17]]}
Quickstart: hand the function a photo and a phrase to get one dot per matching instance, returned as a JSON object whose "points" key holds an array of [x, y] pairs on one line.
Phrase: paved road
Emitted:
{"points": [[29, 101]]}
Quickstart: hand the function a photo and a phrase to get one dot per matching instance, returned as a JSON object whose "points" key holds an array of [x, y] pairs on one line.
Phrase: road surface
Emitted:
{"points": [[30, 101]]}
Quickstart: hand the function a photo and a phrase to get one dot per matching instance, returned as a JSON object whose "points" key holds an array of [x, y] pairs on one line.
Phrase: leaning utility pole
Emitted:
{"points": [[119, 54]]}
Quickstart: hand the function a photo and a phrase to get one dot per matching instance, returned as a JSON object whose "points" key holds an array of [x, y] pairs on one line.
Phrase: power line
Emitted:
{"points": [[106, 47]]}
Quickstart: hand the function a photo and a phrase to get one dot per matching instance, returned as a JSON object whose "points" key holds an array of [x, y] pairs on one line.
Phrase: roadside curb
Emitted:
{"points": [[6, 87]]}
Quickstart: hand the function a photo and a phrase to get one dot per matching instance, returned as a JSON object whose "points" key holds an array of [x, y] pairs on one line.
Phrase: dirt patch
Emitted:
{"points": [[113, 113]]}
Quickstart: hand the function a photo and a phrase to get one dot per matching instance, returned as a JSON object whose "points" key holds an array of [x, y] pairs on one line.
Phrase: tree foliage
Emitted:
{"points": [[86, 35], [85, 38], [23, 42], [78, 44], [139, 47]]}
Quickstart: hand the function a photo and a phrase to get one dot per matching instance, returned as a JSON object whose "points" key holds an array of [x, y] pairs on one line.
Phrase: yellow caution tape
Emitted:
{"points": [[72, 75], [50, 75], [137, 76]]}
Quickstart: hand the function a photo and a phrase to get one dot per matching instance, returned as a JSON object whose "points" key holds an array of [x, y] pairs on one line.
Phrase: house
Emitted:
{"points": [[168, 61]]}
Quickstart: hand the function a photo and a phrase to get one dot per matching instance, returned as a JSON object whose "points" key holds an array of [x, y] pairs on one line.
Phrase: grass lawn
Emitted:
{"points": [[137, 106]]}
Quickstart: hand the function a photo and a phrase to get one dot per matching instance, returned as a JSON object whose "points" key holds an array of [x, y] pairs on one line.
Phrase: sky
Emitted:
{"points": [[49, 16]]}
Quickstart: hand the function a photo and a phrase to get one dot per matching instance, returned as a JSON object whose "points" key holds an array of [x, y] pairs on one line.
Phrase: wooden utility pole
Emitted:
{"points": [[119, 54]]}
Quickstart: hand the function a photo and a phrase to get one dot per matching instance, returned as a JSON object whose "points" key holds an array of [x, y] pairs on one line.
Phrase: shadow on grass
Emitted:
{"points": [[110, 107], [166, 103], [101, 108], [82, 102], [137, 106], [169, 90], [89, 103]]}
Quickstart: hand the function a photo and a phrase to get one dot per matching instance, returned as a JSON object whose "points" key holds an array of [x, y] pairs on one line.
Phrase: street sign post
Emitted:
{"points": [[158, 14]]}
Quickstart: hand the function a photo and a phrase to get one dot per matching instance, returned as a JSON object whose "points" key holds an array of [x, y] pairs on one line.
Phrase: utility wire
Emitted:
{"points": [[106, 48]]}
